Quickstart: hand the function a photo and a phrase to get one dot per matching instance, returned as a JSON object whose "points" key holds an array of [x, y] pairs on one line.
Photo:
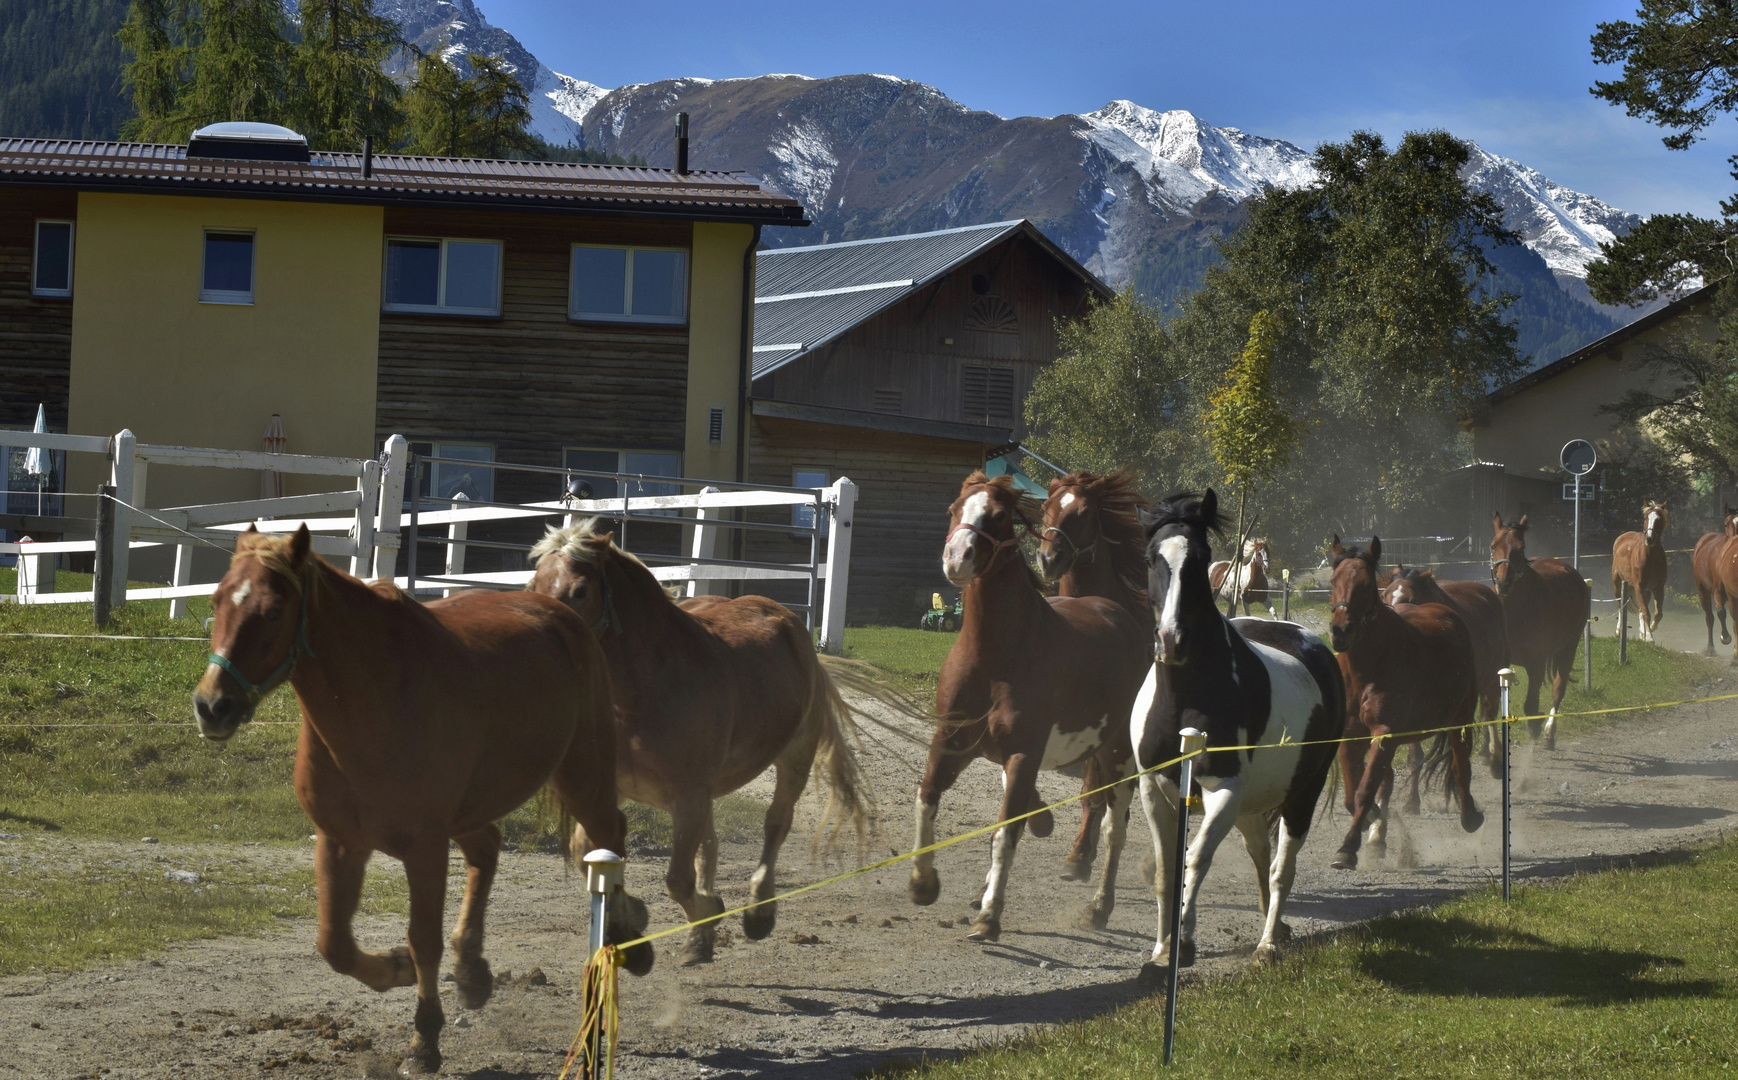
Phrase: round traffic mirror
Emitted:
{"points": [[1579, 457]]}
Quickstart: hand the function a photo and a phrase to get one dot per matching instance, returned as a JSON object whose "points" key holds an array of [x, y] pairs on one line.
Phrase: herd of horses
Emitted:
{"points": [[425, 723]]}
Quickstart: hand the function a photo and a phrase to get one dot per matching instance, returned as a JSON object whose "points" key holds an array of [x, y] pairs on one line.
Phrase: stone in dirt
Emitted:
{"points": [[806, 939], [182, 877]]}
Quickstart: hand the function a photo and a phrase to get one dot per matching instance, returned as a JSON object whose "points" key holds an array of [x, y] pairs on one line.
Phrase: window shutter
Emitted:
{"points": [[987, 394]]}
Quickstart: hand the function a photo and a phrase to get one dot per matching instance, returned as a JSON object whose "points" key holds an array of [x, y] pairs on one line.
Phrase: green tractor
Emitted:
{"points": [[941, 617]]}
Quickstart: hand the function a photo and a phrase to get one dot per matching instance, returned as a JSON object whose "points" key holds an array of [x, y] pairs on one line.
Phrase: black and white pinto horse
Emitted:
{"points": [[1245, 682]]}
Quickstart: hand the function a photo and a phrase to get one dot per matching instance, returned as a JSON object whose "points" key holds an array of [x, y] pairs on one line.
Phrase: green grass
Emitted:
{"points": [[68, 920], [912, 657], [1629, 972]]}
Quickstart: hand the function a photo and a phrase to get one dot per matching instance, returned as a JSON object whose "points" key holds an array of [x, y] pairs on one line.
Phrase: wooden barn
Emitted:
{"points": [[902, 363]]}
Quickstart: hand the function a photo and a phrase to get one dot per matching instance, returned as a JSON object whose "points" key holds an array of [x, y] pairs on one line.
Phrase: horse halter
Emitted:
{"points": [[298, 648], [1075, 551], [996, 546]]}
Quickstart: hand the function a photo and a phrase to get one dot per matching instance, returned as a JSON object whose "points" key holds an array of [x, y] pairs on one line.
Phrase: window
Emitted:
{"points": [[808, 476], [613, 284], [228, 277], [447, 480], [451, 277], [52, 274], [987, 394], [642, 462]]}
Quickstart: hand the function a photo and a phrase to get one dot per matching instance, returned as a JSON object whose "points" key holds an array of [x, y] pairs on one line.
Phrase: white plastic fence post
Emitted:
{"points": [[122, 465], [183, 576], [705, 544], [397, 453], [1505, 677], [35, 574], [841, 500], [456, 530], [1193, 740], [603, 876], [367, 504]]}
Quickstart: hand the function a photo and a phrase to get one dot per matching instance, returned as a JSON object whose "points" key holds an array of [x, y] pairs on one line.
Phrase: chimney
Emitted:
{"points": [[681, 144], [367, 156]]}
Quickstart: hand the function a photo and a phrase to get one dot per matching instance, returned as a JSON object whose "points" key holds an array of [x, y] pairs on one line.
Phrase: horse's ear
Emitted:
{"points": [[1496, 522], [243, 541], [1375, 549], [1209, 505], [301, 544], [1521, 525], [1422, 574], [1337, 550]]}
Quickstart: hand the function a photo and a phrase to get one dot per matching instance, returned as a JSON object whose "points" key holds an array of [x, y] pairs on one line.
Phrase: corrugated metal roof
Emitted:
{"points": [[399, 178], [807, 296]]}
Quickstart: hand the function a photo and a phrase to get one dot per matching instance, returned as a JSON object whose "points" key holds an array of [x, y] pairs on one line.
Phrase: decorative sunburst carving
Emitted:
{"points": [[993, 314]]}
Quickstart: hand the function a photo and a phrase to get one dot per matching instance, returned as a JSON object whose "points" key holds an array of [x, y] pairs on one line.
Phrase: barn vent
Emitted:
{"points": [[890, 400], [715, 425], [987, 394]]}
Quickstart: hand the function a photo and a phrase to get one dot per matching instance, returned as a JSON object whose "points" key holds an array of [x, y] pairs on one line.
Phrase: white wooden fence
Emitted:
{"points": [[359, 527]]}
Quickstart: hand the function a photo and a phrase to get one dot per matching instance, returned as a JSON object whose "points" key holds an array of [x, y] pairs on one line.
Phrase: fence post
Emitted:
{"points": [[1506, 677], [1193, 739], [456, 530], [705, 545], [1285, 594], [183, 576], [123, 459], [603, 876], [413, 469], [367, 505], [1587, 653], [841, 502], [104, 570], [397, 454], [1623, 624]]}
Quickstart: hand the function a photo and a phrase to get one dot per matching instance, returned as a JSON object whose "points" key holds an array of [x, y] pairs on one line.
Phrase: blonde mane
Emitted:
{"points": [[273, 554], [585, 541]]}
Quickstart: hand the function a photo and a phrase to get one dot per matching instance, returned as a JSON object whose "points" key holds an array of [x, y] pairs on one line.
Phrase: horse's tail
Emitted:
{"points": [[848, 794], [1438, 758]]}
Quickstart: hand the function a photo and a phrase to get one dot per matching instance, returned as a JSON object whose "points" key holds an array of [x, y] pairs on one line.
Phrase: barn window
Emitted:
{"points": [[803, 517], [52, 274], [613, 284], [987, 394], [587, 464], [447, 277], [994, 315], [228, 272], [890, 400], [454, 476]]}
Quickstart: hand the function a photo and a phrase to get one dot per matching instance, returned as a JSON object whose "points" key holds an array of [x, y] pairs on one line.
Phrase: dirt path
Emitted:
{"points": [[885, 980]]}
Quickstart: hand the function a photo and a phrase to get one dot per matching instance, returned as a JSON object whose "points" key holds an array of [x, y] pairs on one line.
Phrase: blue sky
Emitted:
{"points": [[1513, 76]]}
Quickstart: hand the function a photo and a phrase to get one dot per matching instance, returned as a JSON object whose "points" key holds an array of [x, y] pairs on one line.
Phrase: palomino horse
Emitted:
{"points": [[1092, 545], [420, 724], [1638, 564], [1032, 682], [1546, 604], [709, 693], [1481, 609], [1705, 565], [1251, 581], [1409, 670], [1245, 682]]}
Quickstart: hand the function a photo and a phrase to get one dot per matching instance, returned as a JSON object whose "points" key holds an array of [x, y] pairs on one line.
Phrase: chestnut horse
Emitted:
{"points": [[1638, 564], [421, 724], [1245, 682], [1482, 610], [1092, 545], [709, 693], [1251, 576], [1032, 682], [1408, 670], [1546, 604], [1705, 565]]}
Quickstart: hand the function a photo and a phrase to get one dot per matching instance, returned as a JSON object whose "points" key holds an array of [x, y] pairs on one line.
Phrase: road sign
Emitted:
{"points": [[1587, 491], [1579, 457]]}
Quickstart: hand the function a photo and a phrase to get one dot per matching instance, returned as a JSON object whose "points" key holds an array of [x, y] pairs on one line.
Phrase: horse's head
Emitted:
{"points": [[1729, 521], [1356, 595], [571, 567], [1412, 586], [982, 525], [1255, 553], [1178, 556], [1071, 527], [259, 627], [1508, 553], [1655, 517]]}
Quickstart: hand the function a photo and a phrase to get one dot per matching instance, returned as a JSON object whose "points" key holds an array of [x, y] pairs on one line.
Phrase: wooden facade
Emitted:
{"points": [[35, 331]]}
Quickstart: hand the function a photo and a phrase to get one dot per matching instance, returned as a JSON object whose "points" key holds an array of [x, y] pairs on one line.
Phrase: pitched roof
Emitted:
{"points": [[397, 178], [807, 296], [1603, 345]]}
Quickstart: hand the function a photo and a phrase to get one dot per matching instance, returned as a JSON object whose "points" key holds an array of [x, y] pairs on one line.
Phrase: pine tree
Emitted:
{"points": [[341, 92], [448, 115], [437, 108], [155, 34], [240, 61], [502, 109]]}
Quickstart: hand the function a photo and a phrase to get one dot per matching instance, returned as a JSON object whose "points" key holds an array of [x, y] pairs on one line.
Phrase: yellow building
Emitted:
{"points": [[587, 316]]}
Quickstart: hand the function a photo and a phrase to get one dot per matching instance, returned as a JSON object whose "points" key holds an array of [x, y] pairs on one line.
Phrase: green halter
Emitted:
{"points": [[298, 648]]}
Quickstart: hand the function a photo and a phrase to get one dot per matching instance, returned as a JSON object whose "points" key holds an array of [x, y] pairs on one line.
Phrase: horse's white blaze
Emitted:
{"points": [[241, 593], [1067, 747], [1653, 521], [1067, 499], [1173, 549], [956, 556], [1394, 595]]}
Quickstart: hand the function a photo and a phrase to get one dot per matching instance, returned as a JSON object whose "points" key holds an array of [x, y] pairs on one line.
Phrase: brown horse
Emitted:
{"points": [[1032, 682], [1481, 609], [709, 693], [1705, 565], [1546, 604], [1408, 670], [1638, 564], [1251, 575], [421, 724], [1092, 545]]}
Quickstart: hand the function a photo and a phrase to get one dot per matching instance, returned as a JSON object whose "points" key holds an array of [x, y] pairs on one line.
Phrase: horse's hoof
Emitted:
{"points": [[1266, 954], [1472, 820], [1098, 917], [925, 886], [1550, 740], [475, 982], [1378, 849], [1725, 638], [421, 1061], [1042, 823], [1153, 976], [986, 930], [1345, 860], [758, 922], [1186, 954], [1076, 869], [638, 959], [697, 950]]}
